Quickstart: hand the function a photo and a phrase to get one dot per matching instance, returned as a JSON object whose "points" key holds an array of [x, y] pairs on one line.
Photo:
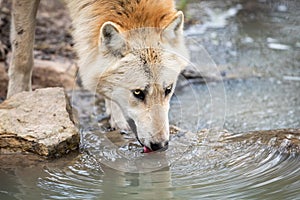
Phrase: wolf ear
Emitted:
{"points": [[111, 40], [174, 31]]}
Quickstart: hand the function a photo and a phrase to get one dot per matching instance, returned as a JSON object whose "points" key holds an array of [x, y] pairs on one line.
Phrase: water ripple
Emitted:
{"points": [[234, 166]]}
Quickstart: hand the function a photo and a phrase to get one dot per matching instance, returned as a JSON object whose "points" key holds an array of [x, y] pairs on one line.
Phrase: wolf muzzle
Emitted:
{"points": [[160, 146]]}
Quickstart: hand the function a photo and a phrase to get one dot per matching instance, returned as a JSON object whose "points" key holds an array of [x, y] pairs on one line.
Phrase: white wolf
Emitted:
{"points": [[130, 51]]}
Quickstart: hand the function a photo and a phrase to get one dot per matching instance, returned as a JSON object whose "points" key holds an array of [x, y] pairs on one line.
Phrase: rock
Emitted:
{"points": [[54, 74], [45, 74], [39, 122]]}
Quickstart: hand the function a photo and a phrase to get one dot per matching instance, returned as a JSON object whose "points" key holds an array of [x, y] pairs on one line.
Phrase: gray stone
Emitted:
{"points": [[39, 122]]}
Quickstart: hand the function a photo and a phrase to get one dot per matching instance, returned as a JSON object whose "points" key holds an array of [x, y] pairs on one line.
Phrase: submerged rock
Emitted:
{"points": [[39, 122], [284, 140]]}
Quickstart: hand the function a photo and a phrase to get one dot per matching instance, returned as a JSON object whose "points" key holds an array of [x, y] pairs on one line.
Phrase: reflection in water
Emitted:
{"points": [[79, 182]]}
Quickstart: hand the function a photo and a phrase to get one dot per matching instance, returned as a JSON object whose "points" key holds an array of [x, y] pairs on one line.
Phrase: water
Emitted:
{"points": [[255, 45], [251, 104], [232, 167]]}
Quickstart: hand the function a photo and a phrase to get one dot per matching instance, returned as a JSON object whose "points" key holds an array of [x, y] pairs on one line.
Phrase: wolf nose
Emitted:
{"points": [[159, 146]]}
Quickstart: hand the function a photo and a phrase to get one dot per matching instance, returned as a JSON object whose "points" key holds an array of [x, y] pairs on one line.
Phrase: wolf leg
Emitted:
{"points": [[22, 39], [117, 119]]}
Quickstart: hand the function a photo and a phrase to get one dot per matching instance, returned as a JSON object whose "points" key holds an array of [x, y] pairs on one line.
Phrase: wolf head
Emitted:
{"points": [[139, 70]]}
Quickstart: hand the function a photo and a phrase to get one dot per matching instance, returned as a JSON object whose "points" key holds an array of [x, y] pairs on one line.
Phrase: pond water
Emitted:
{"points": [[255, 48]]}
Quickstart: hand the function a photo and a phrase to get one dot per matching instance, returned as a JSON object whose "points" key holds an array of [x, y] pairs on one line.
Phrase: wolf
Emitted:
{"points": [[130, 51]]}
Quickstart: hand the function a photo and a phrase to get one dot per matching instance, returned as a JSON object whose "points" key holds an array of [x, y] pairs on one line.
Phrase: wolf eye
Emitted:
{"points": [[168, 90], [139, 94]]}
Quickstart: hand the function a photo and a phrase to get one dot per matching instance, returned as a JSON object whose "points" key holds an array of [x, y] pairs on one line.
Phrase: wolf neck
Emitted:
{"points": [[89, 15]]}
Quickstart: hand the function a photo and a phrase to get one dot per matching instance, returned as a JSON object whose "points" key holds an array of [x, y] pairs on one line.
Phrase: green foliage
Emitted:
{"points": [[182, 5]]}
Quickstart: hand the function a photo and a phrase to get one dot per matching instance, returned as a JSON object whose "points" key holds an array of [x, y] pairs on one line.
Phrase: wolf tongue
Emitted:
{"points": [[147, 150]]}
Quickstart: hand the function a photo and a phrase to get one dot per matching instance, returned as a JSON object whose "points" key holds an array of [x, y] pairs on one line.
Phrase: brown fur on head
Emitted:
{"points": [[89, 16]]}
